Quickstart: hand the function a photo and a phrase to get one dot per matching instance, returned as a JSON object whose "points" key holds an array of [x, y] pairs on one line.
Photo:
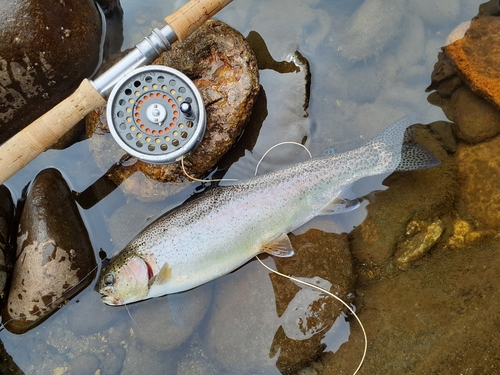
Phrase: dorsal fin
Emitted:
{"points": [[279, 246]]}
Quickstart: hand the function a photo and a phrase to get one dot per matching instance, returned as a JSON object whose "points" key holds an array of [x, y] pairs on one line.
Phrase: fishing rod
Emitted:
{"points": [[155, 113]]}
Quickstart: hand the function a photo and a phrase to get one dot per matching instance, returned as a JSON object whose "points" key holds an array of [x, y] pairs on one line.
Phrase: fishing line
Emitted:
{"points": [[199, 180], [279, 144], [331, 295], [365, 349]]}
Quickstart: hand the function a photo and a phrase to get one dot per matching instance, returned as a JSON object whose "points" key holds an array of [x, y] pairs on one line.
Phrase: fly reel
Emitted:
{"points": [[156, 114]]}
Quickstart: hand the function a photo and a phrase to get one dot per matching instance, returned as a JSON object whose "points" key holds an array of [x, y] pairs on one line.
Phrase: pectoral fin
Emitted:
{"points": [[280, 246], [161, 277], [340, 205]]}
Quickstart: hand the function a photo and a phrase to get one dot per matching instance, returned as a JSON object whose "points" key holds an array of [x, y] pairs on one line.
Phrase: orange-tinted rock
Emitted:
{"points": [[466, 78], [477, 57]]}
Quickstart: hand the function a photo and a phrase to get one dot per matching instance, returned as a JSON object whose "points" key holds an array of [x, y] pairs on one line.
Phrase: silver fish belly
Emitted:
{"points": [[224, 227]]}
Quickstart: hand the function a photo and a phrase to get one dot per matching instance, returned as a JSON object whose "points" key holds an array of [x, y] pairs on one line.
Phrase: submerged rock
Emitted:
{"points": [[46, 50], [224, 69], [262, 322], [55, 259], [479, 174], [373, 25], [180, 315], [408, 199]]}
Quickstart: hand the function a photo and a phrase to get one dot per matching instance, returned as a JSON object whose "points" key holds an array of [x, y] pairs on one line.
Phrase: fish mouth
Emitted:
{"points": [[110, 300]]}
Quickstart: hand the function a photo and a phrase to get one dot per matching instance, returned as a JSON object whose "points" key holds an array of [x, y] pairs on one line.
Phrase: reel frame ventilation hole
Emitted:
{"points": [[156, 114]]}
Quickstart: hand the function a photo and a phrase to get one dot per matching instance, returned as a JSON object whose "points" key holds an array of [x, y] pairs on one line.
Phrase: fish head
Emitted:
{"points": [[124, 280]]}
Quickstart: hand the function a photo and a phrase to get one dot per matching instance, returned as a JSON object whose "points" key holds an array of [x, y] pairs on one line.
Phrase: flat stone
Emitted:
{"points": [[477, 55]]}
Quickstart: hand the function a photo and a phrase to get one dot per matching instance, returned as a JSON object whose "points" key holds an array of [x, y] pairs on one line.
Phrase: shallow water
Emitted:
{"points": [[349, 103]]}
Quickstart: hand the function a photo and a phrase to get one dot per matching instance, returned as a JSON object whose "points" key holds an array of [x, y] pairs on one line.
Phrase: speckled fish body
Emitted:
{"points": [[224, 227]]}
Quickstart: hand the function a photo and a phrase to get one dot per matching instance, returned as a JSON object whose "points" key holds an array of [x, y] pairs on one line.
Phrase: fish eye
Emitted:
{"points": [[109, 279]]}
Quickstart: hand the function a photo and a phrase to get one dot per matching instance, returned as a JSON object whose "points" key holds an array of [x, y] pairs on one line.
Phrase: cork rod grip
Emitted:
{"points": [[192, 15], [42, 133]]}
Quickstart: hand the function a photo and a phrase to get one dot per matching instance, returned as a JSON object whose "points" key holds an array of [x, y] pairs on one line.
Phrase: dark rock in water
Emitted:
{"points": [[55, 259], [262, 322], [479, 173], [224, 69], [46, 49], [6, 216], [7, 364]]}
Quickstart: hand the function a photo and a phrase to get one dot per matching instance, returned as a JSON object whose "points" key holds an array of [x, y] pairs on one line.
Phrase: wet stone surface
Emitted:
{"points": [[54, 257], [465, 78], [6, 217], [224, 69], [46, 50]]}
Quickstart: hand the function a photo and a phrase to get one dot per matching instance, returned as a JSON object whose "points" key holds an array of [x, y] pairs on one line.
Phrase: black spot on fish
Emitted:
{"points": [[20, 296]]}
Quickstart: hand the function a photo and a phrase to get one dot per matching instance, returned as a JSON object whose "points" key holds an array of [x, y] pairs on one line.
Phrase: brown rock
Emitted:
{"points": [[412, 196], [439, 318], [477, 55], [479, 177], [466, 79], [224, 69], [46, 49], [55, 259]]}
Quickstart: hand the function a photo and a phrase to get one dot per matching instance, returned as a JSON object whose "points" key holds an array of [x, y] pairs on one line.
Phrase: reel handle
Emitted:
{"points": [[192, 15], [42, 133]]}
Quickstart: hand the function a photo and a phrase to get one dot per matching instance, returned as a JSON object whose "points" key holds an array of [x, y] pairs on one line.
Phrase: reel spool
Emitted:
{"points": [[156, 114]]}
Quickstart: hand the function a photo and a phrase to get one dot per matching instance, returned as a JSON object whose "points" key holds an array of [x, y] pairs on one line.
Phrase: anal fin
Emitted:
{"points": [[280, 246]]}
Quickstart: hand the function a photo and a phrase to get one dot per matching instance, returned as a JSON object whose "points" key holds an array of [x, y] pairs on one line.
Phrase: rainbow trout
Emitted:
{"points": [[226, 226]]}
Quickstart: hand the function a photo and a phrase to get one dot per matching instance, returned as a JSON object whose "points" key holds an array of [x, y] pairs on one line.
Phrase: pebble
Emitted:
{"points": [[371, 28], [166, 323], [419, 244]]}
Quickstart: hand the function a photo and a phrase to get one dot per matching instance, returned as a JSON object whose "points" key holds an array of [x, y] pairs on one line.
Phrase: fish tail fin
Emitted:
{"points": [[415, 156], [397, 149]]}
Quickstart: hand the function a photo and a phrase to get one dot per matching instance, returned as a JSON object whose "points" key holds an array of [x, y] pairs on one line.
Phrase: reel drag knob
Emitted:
{"points": [[156, 114]]}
